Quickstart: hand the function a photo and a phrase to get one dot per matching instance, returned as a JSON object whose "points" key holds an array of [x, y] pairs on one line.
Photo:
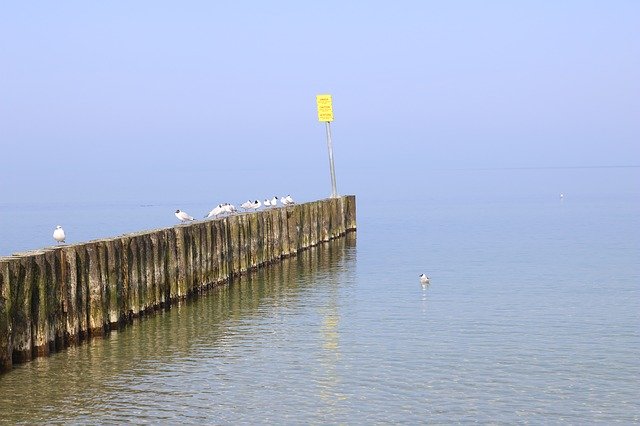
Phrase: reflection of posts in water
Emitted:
{"points": [[330, 356], [329, 380]]}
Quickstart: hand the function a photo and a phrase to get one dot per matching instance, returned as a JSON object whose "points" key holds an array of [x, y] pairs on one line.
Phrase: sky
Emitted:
{"points": [[154, 101]]}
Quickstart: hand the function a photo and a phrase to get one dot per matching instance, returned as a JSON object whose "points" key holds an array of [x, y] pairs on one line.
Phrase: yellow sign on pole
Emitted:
{"points": [[325, 108]]}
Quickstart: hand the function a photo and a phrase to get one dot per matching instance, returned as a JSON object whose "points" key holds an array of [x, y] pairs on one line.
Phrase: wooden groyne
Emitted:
{"points": [[59, 296]]}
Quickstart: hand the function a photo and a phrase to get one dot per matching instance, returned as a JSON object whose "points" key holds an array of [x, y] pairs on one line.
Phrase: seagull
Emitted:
{"points": [[284, 201], [229, 208], [267, 202], [424, 280], [289, 199], [256, 205], [247, 205], [215, 212], [274, 201], [58, 234], [183, 216]]}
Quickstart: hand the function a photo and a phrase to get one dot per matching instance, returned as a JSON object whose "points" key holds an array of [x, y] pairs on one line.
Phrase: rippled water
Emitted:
{"points": [[533, 315]]}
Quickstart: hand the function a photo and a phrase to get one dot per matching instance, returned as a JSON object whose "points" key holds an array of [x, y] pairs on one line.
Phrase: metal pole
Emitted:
{"points": [[334, 191]]}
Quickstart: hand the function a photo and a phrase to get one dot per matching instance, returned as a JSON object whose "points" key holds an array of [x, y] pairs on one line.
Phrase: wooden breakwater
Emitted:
{"points": [[59, 296]]}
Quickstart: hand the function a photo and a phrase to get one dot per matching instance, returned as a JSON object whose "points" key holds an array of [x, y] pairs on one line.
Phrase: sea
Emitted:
{"points": [[532, 314]]}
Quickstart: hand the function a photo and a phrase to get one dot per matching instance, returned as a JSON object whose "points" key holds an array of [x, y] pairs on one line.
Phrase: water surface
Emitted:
{"points": [[532, 315]]}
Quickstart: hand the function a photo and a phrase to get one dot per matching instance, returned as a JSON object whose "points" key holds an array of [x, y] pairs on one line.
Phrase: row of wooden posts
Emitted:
{"points": [[56, 297]]}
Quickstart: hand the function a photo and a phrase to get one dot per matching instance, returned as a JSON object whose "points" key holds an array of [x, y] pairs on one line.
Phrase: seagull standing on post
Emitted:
{"points": [[229, 208], [183, 216], [58, 234], [215, 212]]}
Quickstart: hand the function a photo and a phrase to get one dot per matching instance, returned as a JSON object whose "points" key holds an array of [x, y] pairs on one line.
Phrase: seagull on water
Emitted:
{"points": [[183, 216], [58, 234], [424, 280]]}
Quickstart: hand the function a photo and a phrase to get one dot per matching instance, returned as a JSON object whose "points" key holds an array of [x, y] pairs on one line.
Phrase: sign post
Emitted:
{"points": [[325, 113]]}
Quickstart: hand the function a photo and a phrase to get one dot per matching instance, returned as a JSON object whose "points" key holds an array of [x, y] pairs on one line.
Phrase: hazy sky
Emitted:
{"points": [[153, 100]]}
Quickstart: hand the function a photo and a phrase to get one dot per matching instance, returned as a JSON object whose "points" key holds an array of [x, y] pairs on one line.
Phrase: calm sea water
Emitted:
{"points": [[532, 315]]}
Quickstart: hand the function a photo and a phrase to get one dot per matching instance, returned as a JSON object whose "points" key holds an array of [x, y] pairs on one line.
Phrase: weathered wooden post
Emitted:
{"points": [[133, 289], [284, 233], [172, 265], [69, 277], [182, 246], [39, 314], [293, 227], [150, 301], [157, 261], [254, 231], [351, 212], [6, 347], [235, 229], [95, 305], [114, 305], [20, 277], [55, 298]]}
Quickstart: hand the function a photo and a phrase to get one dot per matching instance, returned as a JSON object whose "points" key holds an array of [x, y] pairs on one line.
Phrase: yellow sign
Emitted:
{"points": [[325, 109]]}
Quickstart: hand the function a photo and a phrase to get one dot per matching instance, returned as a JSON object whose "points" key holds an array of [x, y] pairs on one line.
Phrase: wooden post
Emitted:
{"points": [[55, 297], [6, 347]]}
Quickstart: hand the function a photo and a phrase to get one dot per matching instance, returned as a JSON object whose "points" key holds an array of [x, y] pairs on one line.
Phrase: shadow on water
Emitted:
{"points": [[85, 381]]}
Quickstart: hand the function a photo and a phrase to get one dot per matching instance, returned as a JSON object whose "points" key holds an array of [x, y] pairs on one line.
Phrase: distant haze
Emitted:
{"points": [[163, 101]]}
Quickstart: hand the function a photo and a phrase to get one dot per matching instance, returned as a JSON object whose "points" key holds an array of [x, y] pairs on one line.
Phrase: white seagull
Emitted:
{"points": [[256, 205], [274, 201], [267, 202], [289, 199], [183, 216], [58, 234], [229, 208], [284, 201], [215, 212], [247, 205], [424, 280]]}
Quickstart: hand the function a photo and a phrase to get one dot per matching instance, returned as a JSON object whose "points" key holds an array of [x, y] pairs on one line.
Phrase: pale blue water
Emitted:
{"points": [[532, 316]]}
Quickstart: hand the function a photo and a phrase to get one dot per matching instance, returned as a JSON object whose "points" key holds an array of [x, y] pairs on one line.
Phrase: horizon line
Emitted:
{"points": [[543, 167]]}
